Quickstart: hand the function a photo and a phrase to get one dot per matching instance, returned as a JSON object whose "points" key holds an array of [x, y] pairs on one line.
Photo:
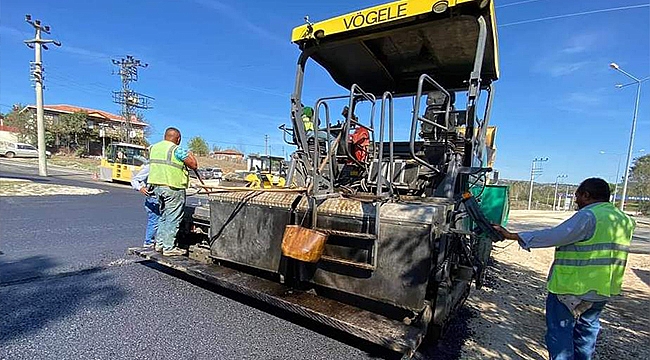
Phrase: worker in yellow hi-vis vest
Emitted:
{"points": [[168, 175], [591, 251]]}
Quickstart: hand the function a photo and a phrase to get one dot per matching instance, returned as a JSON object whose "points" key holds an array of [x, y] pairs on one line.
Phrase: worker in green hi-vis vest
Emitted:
{"points": [[168, 175], [591, 251]]}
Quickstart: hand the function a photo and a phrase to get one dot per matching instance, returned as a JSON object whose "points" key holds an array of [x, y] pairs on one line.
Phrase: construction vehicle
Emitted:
{"points": [[266, 171], [122, 161], [402, 236]]}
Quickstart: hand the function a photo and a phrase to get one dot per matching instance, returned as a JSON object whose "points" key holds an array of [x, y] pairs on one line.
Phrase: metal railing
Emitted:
{"points": [[387, 98], [417, 117]]}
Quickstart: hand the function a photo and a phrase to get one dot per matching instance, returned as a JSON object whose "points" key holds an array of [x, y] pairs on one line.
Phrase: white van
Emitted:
{"points": [[11, 149]]}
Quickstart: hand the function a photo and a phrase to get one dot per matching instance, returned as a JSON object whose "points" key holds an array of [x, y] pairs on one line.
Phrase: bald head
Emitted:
{"points": [[173, 134]]}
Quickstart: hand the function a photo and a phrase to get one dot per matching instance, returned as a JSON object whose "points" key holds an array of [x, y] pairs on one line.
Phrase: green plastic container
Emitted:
{"points": [[494, 202]]}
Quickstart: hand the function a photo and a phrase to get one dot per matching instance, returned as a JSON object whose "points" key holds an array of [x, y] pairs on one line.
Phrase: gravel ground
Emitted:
{"points": [[505, 319], [12, 187]]}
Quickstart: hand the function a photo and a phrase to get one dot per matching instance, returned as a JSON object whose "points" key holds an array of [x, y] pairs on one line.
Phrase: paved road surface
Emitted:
{"points": [[67, 290]]}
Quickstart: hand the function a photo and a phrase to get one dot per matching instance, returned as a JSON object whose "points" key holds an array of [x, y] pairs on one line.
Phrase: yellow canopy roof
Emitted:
{"points": [[387, 47]]}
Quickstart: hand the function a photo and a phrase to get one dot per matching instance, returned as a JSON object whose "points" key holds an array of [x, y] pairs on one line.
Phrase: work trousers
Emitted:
{"points": [[172, 206], [570, 338], [152, 207]]}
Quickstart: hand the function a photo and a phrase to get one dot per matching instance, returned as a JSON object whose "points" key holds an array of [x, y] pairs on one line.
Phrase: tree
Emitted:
{"points": [[22, 121], [70, 127], [198, 146], [147, 131], [216, 148], [640, 181]]}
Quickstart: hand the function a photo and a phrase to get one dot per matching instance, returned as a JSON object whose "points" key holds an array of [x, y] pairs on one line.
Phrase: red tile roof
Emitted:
{"points": [[69, 109], [8, 128], [228, 152]]}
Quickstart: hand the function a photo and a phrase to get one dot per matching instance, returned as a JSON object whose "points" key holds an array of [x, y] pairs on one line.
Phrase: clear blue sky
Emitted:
{"points": [[224, 70]]}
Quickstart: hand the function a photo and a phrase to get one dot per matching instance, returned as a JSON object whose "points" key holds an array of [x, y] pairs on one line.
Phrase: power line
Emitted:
{"points": [[74, 78], [79, 85], [516, 3], [576, 14]]}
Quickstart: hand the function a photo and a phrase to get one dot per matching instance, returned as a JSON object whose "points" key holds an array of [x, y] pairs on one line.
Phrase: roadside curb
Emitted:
{"points": [[56, 167]]}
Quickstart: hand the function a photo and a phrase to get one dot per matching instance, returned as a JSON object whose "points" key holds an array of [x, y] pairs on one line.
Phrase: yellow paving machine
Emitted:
{"points": [[372, 236]]}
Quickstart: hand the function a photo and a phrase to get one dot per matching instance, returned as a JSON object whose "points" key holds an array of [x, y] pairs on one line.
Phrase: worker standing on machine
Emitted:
{"points": [[591, 251]]}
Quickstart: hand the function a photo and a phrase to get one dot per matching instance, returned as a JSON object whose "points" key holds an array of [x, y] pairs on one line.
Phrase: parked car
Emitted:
{"points": [[11, 149], [217, 173], [205, 173]]}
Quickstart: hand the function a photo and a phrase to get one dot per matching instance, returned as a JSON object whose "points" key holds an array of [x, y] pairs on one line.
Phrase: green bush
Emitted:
{"points": [[81, 152]]}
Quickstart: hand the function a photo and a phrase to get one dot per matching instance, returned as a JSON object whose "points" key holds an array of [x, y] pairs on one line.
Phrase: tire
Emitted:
{"points": [[10, 154]]}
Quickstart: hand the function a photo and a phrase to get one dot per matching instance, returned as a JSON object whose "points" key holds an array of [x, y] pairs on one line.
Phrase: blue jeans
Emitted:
{"points": [[152, 208], [172, 206], [568, 338]]}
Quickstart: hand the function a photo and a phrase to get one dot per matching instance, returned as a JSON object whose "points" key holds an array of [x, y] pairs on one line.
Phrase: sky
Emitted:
{"points": [[224, 70]]}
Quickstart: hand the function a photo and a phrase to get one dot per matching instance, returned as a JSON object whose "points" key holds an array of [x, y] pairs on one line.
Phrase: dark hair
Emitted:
{"points": [[171, 130], [598, 189]]}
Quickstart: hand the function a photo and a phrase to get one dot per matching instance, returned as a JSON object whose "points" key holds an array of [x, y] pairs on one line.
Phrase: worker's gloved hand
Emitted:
{"points": [[506, 234], [144, 191], [510, 235]]}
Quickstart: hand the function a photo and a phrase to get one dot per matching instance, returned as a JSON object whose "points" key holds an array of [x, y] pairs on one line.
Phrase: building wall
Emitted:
{"points": [[229, 157], [8, 136]]}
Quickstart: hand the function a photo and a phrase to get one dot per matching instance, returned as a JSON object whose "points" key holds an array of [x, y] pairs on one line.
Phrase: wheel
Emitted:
{"points": [[10, 154]]}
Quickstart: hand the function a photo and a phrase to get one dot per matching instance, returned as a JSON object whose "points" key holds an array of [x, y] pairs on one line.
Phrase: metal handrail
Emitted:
{"points": [[316, 157], [416, 116], [387, 97], [486, 120], [287, 131]]}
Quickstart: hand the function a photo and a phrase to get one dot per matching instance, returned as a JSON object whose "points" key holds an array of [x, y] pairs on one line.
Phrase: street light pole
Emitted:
{"points": [[638, 82], [618, 170]]}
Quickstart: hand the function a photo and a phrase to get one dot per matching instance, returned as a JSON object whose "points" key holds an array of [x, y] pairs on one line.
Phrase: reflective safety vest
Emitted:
{"points": [[309, 125], [164, 168], [598, 263]]}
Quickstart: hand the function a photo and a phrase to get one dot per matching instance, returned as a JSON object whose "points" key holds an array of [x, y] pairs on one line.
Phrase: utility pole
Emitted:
{"points": [[38, 43], [535, 170], [129, 99], [102, 134], [557, 180], [266, 144]]}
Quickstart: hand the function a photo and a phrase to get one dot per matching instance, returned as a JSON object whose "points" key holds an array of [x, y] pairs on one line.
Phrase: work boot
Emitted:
{"points": [[174, 252]]}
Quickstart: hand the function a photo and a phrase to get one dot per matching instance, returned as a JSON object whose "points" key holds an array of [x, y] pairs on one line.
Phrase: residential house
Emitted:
{"points": [[112, 124], [228, 154], [8, 133]]}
